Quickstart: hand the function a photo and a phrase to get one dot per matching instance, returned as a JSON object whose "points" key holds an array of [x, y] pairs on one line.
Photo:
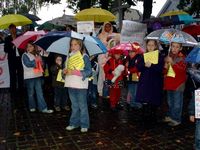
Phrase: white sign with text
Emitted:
{"points": [[85, 26], [197, 103]]}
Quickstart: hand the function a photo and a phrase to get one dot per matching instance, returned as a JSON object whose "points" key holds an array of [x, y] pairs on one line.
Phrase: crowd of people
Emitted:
{"points": [[104, 76]]}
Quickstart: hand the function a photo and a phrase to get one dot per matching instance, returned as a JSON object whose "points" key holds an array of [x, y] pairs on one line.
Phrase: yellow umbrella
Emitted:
{"points": [[95, 14], [173, 13], [16, 19]]}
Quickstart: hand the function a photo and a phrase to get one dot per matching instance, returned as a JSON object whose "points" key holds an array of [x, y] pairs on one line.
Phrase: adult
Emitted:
{"points": [[14, 62]]}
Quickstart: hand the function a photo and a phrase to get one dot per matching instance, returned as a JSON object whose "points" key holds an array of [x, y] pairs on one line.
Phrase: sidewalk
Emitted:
{"points": [[22, 130]]}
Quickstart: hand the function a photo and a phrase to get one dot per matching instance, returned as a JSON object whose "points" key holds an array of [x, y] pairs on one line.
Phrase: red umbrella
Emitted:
{"points": [[21, 41], [123, 48], [192, 30]]}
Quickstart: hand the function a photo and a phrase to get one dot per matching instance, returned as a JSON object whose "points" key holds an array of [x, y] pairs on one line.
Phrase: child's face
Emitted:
{"points": [[175, 48], [151, 46], [131, 54], [30, 48], [117, 56], [75, 46], [59, 60], [107, 27]]}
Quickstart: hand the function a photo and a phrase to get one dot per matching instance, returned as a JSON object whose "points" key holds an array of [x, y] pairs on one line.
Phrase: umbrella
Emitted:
{"points": [[172, 35], [192, 29], [125, 47], [58, 42], [95, 14], [194, 56], [16, 19], [21, 41], [178, 17], [31, 17], [49, 26], [64, 20]]}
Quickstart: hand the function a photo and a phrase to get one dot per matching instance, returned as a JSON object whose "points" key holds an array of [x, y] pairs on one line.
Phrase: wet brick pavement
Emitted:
{"points": [[122, 130]]}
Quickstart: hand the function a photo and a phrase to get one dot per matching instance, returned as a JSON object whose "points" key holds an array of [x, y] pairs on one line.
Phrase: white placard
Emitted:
{"points": [[4, 70], [133, 32], [197, 103], [85, 26]]}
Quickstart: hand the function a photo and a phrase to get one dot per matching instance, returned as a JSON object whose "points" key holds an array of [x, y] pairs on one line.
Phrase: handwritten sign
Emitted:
{"points": [[133, 32], [76, 62], [151, 57], [171, 72], [85, 26], [197, 103], [4, 70]]}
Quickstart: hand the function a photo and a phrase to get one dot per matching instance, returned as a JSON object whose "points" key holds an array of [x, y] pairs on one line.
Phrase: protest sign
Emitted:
{"points": [[85, 26], [133, 32], [197, 103], [151, 57]]}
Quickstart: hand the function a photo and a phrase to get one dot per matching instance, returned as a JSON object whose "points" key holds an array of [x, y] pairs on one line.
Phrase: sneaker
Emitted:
{"points": [[67, 108], [32, 110], [173, 123], [70, 128], [167, 119], [57, 108], [83, 130], [48, 111]]}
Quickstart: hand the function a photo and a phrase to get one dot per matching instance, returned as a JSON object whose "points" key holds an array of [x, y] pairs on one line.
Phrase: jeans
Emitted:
{"points": [[92, 93], [197, 135], [79, 116], [175, 103], [35, 84], [132, 89], [60, 96]]}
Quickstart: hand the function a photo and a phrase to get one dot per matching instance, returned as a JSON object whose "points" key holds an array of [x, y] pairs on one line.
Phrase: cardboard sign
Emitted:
{"points": [[85, 26], [197, 103], [151, 57], [133, 32]]}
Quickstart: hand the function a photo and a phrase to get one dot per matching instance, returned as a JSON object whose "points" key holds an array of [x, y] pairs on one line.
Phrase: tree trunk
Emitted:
{"points": [[147, 6], [84, 4], [104, 4]]}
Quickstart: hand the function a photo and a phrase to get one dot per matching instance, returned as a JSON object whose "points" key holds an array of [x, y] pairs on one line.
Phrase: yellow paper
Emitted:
{"points": [[135, 77], [171, 72], [59, 76], [75, 62], [152, 57], [46, 72]]}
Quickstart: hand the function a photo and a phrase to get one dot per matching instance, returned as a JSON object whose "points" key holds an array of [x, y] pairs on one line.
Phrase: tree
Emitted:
{"points": [[147, 9], [23, 6], [190, 6]]}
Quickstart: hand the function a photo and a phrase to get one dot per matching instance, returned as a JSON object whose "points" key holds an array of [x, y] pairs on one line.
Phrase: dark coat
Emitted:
{"points": [[54, 71], [150, 84]]}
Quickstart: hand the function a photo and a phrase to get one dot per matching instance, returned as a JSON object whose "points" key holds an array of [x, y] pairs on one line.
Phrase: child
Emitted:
{"points": [[175, 85], [115, 85], [76, 79], [32, 75], [150, 85], [132, 79], [92, 89], [60, 92]]}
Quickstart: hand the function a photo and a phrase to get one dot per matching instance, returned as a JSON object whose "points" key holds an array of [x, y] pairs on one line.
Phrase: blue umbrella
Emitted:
{"points": [[58, 42], [194, 56]]}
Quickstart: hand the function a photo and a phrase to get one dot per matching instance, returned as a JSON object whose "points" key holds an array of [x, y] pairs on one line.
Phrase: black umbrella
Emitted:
{"points": [[31, 17]]}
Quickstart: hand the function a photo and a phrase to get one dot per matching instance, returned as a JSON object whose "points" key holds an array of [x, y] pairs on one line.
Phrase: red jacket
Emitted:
{"points": [[110, 66], [179, 68]]}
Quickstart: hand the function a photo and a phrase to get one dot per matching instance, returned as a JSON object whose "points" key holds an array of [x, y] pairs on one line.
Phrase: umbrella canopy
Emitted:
{"points": [[192, 30], [58, 42], [173, 13], [178, 17], [49, 26], [21, 41], [64, 20], [31, 17], [95, 14], [172, 35], [194, 56], [125, 47], [16, 19]]}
